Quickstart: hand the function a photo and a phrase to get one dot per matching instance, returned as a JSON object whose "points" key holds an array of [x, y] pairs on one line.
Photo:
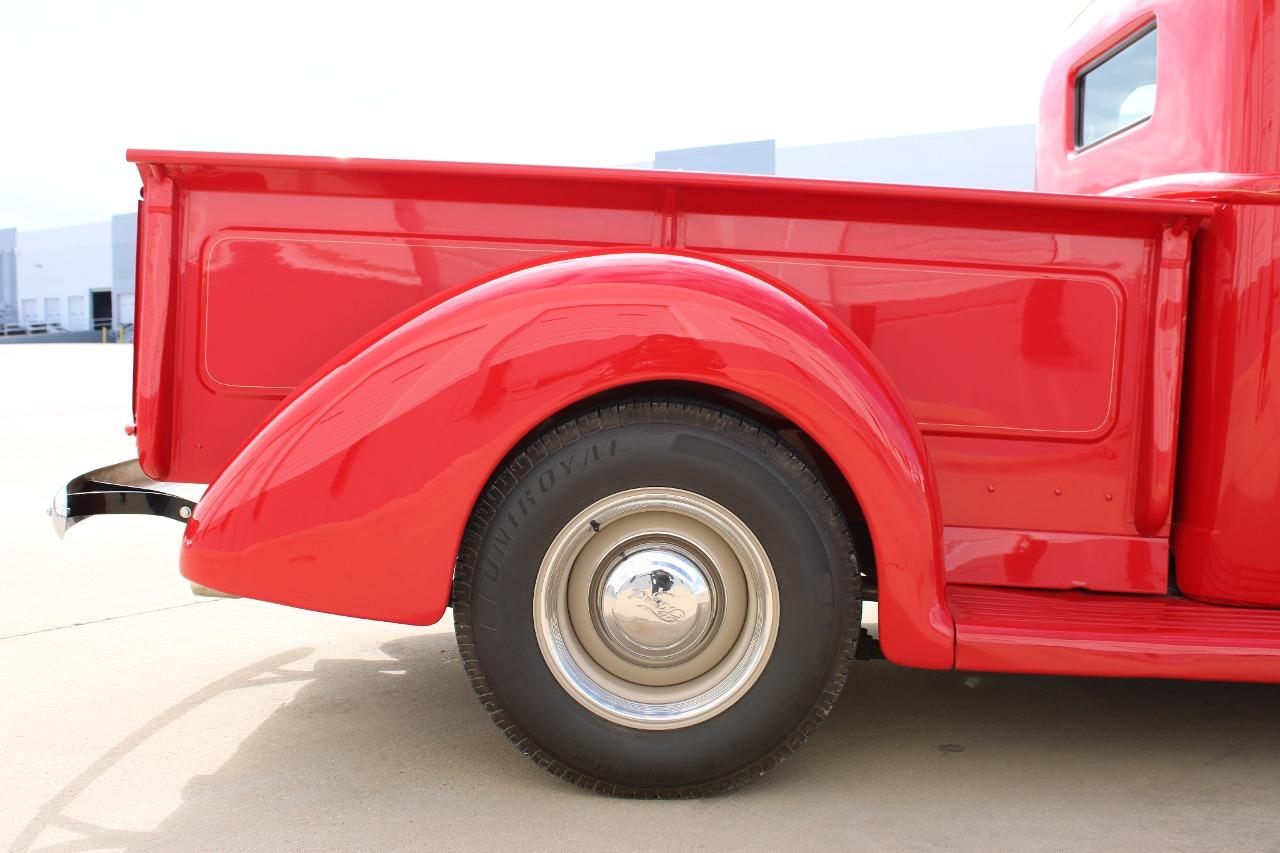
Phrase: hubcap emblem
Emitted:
{"points": [[655, 605]]}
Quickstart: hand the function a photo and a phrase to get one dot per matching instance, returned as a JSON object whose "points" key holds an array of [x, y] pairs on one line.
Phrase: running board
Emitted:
{"points": [[1084, 633]]}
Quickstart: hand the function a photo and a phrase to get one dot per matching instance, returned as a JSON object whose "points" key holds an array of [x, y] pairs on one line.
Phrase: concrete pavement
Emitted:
{"points": [[135, 717]]}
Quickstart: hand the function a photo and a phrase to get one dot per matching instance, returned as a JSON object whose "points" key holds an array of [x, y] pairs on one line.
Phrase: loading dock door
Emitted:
{"points": [[77, 321], [101, 308]]}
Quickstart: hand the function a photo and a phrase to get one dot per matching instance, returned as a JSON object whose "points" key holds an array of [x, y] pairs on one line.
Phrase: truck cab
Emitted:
{"points": [[1199, 77], [655, 437]]}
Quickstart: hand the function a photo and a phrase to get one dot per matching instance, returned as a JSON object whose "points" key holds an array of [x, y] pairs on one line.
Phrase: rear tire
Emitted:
{"points": [[657, 598]]}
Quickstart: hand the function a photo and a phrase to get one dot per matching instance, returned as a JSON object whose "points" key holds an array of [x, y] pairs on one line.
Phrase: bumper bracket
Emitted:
{"points": [[120, 489]]}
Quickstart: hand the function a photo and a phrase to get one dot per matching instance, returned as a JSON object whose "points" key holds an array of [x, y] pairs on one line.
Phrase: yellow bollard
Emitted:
{"points": [[104, 334]]}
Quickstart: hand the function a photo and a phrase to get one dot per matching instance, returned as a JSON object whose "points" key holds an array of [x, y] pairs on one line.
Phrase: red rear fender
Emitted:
{"points": [[353, 498]]}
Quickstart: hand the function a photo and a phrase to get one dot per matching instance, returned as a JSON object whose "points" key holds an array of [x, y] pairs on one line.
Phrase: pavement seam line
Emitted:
{"points": [[106, 619]]}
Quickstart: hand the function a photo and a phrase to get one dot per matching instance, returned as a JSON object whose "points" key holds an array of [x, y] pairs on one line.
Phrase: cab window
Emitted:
{"points": [[1118, 91]]}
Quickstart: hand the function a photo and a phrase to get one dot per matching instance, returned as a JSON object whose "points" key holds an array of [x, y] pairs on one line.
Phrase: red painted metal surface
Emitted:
{"points": [[946, 287], [354, 497], [1158, 446], [1000, 376], [154, 356], [1214, 104], [1028, 558], [1213, 136], [1052, 295], [1226, 540], [1077, 633]]}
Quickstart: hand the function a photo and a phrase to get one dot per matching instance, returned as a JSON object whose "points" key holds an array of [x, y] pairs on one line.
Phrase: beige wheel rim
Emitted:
{"points": [[656, 608]]}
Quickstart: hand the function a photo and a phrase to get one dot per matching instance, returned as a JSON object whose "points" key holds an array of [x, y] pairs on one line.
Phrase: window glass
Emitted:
{"points": [[1118, 92]]}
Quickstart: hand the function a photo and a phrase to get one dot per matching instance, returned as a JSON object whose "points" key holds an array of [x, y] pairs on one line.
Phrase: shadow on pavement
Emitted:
{"points": [[397, 754]]}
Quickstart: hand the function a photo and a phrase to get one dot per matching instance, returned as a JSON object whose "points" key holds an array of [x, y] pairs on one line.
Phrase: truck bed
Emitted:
{"points": [[1020, 328]]}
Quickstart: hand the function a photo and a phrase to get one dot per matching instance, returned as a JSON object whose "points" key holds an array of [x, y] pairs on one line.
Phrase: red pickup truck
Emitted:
{"points": [[655, 437]]}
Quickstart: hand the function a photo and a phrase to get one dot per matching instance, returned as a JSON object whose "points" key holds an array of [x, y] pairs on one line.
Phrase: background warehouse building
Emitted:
{"points": [[76, 282]]}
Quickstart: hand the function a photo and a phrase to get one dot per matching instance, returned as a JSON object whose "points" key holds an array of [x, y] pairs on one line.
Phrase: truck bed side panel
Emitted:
{"points": [[1018, 327]]}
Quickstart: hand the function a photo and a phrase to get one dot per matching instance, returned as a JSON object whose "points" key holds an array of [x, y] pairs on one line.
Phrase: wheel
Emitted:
{"points": [[657, 598]]}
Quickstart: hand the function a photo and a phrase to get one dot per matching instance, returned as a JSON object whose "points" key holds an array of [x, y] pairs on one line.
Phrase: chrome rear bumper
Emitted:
{"points": [[120, 489]]}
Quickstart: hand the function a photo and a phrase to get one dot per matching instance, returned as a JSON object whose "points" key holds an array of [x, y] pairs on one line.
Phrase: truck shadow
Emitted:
{"points": [[398, 754]]}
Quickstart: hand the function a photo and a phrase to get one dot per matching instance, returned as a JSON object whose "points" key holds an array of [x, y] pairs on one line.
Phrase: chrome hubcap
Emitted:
{"points": [[656, 608], [656, 604]]}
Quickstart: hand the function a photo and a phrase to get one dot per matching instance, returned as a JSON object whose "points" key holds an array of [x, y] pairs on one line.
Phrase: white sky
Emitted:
{"points": [[579, 83]]}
